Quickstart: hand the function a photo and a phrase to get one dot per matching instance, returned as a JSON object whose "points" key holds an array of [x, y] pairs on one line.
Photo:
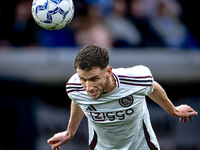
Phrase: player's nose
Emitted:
{"points": [[89, 86]]}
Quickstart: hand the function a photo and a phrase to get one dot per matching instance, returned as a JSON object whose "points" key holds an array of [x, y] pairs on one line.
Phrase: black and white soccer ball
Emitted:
{"points": [[52, 14]]}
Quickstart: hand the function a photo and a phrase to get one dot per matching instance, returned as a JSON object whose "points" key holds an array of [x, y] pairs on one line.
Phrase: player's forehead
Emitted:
{"points": [[95, 72]]}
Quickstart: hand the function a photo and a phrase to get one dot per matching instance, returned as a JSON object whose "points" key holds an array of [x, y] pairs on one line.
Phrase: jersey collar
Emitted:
{"points": [[116, 79]]}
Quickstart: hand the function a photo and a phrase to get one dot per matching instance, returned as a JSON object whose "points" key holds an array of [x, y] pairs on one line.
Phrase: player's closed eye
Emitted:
{"points": [[82, 79], [94, 79]]}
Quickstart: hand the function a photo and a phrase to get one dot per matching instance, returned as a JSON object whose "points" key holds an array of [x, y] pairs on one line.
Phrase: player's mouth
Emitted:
{"points": [[93, 93]]}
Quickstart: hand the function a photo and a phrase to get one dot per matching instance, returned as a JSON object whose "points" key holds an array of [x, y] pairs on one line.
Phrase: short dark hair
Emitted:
{"points": [[92, 56]]}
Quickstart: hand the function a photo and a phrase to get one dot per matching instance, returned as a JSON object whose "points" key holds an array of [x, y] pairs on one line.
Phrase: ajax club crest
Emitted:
{"points": [[126, 101]]}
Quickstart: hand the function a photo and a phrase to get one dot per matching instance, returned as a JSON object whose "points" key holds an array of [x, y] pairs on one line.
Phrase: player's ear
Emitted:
{"points": [[109, 70]]}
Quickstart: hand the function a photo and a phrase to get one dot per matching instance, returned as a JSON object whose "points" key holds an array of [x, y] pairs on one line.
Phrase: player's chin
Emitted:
{"points": [[95, 96]]}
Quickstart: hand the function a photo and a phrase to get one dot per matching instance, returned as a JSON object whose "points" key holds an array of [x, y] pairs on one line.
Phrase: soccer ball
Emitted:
{"points": [[52, 14]]}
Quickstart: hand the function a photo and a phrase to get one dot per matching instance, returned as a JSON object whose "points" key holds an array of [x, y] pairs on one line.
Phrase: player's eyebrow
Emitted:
{"points": [[93, 77]]}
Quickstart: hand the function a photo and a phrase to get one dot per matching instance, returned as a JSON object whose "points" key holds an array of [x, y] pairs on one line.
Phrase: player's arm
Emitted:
{"points": [[160, 97], [61, 138]]}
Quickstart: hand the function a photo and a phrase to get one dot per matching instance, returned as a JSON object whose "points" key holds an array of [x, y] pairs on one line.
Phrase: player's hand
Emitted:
{"points": [[58, 140], [184, 112]]}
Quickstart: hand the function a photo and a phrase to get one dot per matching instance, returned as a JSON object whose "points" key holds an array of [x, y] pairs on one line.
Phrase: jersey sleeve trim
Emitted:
{"points": [[71, 87], [137, 81]]}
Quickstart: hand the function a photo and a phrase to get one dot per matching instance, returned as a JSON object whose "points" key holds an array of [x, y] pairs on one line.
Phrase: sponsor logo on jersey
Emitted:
{"points": [[110, 116], [126, 101]]}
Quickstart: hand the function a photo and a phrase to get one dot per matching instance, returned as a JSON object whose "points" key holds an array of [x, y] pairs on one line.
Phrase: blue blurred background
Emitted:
{"points": [[35, 65]]}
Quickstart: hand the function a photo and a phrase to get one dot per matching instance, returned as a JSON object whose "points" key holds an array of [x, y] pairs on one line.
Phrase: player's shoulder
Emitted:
{"points": [[74, 79], [141, 70], [135, 71]]}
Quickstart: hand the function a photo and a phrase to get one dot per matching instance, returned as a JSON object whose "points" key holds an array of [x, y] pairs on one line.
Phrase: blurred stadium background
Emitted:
{"points": [[35, 65]]}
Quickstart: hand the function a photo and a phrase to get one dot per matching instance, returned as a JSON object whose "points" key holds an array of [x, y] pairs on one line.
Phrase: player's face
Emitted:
{"points": [[95, 81]]}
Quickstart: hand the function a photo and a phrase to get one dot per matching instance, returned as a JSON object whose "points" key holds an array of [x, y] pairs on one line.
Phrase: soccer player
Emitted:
{"points": [[113, 100]]}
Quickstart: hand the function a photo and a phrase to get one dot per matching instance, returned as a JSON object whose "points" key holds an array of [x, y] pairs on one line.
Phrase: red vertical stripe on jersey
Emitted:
{"points": [[147, 136], [94, 141]]}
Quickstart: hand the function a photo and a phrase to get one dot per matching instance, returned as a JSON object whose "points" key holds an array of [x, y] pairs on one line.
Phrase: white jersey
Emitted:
{"points": [[118, 120]]}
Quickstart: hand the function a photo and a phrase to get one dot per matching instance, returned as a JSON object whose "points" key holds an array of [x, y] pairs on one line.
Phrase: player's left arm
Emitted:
{"points": [[160, 97]]}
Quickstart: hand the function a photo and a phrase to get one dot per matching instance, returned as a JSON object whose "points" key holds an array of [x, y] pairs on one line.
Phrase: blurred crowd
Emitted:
{"points": [[109, 23]]}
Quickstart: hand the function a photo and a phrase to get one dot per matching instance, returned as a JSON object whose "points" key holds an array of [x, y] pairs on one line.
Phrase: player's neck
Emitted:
{"points": [[111, 84]]}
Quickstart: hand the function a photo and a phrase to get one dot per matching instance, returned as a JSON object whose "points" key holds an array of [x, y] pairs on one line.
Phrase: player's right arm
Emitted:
{"points": [[61, 138]]}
